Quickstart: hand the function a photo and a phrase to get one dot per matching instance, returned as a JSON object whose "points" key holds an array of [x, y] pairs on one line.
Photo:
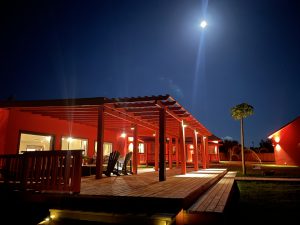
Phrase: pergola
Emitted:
{"points": [[160, 116]]}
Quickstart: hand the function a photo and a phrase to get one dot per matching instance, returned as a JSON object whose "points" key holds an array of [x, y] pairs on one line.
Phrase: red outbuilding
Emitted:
{"points": [[286, 142]]}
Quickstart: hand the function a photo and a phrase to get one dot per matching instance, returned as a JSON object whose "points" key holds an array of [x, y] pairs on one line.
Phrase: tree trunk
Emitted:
{"points": [[242, 147]]}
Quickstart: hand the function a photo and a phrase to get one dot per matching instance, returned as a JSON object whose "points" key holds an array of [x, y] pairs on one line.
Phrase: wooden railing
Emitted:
{"points": [[43, 170]]}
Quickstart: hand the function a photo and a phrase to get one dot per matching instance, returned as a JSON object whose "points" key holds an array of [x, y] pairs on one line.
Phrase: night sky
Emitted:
{"points": [[249, 52]]}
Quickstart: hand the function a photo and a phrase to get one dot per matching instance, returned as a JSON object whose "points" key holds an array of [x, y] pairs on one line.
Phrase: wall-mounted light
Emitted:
{"points": [[277, 139], [277, 147], [123, 135], [130, 139], [69, 139]]}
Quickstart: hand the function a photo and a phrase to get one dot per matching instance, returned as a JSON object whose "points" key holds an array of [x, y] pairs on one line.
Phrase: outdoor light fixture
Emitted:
{"points": [[123, 135], [277, 139], [130, 139]]}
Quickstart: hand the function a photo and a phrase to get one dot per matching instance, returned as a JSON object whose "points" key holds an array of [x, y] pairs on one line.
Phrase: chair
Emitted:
{"points": [[112, 160], [122, 165]]}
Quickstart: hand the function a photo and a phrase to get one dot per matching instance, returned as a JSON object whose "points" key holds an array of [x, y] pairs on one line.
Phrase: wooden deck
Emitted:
{"points": [[143, 192], [140, 194], [147, 184]]}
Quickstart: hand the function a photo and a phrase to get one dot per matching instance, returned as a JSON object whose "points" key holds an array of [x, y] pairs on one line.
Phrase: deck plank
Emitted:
{"points": [[215, 199]]}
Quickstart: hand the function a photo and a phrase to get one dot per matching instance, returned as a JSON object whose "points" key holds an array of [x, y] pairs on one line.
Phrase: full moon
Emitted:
{"points": [[203, 24]]}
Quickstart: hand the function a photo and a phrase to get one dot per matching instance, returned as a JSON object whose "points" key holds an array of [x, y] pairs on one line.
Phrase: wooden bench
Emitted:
{"points": [[212, 204]]}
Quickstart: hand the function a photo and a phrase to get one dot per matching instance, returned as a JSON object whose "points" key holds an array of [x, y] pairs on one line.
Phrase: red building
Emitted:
{"points": [[286, 143], [150, 127]]}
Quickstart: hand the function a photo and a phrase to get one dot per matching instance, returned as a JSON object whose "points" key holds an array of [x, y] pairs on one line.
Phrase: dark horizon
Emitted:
{"points": [[249, 52]]}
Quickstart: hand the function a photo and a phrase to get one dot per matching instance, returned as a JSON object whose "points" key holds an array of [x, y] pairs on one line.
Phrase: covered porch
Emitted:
{"points": [[160, 119]]}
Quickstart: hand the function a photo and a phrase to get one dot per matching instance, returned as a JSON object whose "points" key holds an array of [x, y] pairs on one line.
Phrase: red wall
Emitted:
{"points": [[4, 115], [287, 148], [14, 121]]}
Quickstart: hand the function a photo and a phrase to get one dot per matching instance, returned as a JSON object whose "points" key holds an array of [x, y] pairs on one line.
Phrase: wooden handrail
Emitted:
{"points": [[43, 170]]}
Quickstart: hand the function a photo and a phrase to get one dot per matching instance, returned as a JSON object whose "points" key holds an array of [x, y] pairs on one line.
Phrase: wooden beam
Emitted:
{"points": [[138, 99], [156, 113], [100, 141], [195, 143], [135, 150], [134, 105], [148, 109], [162, 146], [170, 153], [156, 151], [177, 152], [182, 148], [203, 152], [125, 116]]}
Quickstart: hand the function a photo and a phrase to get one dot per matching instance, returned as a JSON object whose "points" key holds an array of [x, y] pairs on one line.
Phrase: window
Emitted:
{"points": [[141, 148], [35, 142], [70, 143], [212, 149], [107, 148]]}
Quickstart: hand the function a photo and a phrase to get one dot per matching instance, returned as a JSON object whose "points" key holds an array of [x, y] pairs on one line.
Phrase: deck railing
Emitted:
{"points": [[43, 170]]}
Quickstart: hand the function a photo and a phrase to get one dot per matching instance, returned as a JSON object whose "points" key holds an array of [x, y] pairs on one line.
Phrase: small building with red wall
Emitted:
{"points": [[286, 142]]}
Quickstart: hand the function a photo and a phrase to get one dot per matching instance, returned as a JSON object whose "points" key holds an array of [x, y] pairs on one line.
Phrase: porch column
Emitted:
{"points": [[100, 140], [162, 146], [218, 152], [177, 152], [156, 151], [170, 152], [195, 143], [182, 148], [206, 152], [135, 150], [203, 151]]}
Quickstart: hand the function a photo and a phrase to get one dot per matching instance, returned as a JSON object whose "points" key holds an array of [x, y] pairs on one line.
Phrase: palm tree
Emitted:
{"points": [[239, 112]]}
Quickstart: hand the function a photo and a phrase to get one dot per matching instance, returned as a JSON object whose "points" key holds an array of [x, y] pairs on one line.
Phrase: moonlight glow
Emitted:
{"points": [[203, 24]]}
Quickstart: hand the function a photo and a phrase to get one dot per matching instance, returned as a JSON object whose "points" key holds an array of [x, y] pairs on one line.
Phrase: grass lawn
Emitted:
{"points": [[264, 202], [261, 169]]}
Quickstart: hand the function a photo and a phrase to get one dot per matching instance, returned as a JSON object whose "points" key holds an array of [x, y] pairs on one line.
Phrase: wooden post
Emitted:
{"points": [[156, 151], [162, 146], [203, 150], [218, 152], [206, 152], [135, 150], [195, 143], [100, 140], [177, 152], [170, 152], [182, 148]]}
